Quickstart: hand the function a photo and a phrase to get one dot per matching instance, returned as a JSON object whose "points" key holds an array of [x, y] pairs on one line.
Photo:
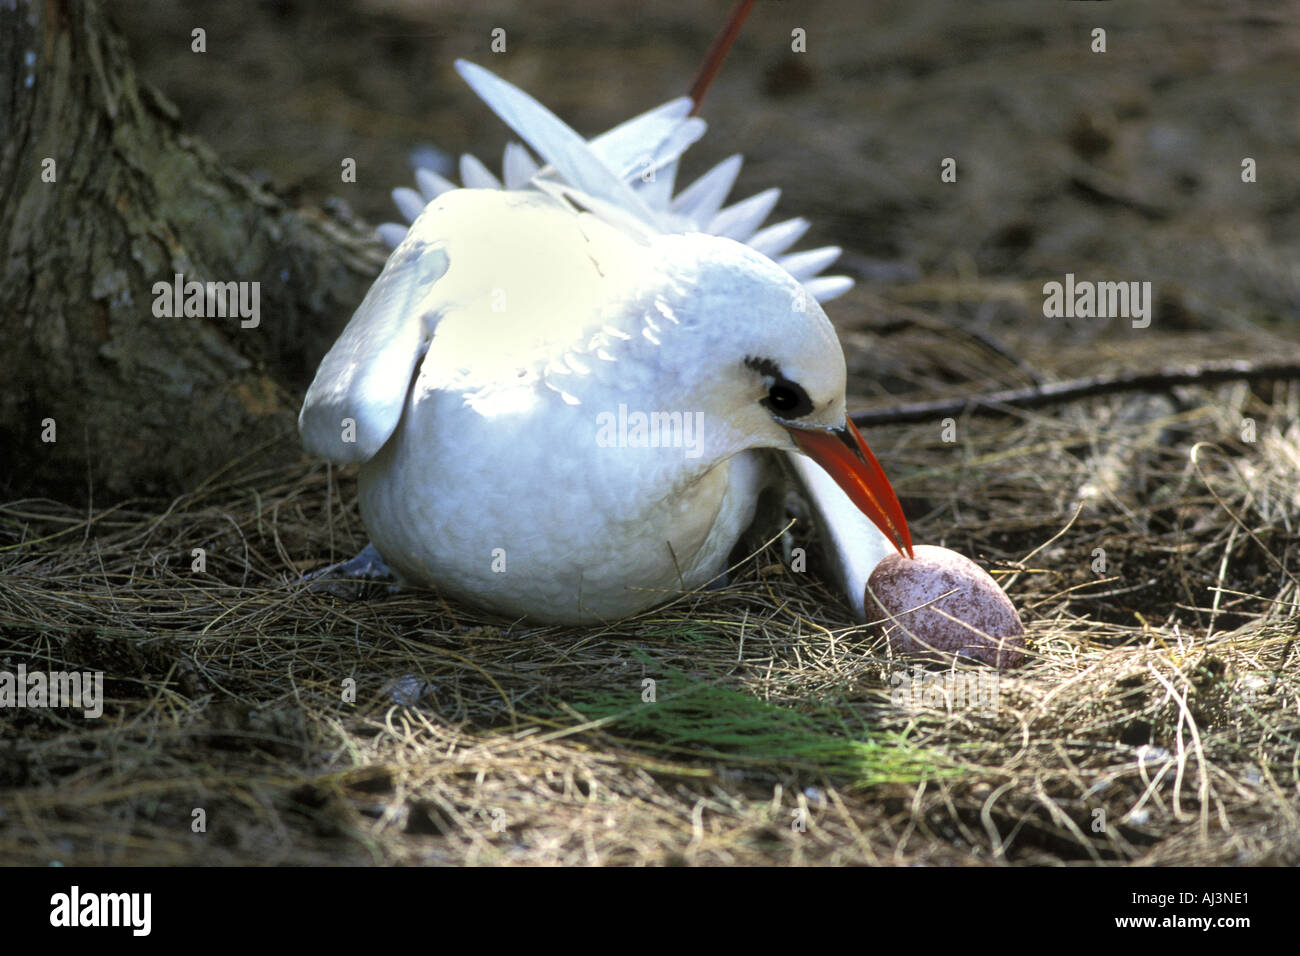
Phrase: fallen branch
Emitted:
{"points": [[1055, 393]]}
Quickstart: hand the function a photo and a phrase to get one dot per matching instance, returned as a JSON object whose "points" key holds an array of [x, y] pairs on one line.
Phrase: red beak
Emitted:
{"points": [[844, 454]]}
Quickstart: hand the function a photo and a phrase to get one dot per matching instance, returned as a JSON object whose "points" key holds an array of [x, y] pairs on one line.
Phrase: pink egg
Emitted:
{"points": [[976, 620]]}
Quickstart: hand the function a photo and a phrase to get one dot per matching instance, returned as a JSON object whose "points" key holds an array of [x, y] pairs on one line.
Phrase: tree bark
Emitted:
{"points": [[142, 403]]}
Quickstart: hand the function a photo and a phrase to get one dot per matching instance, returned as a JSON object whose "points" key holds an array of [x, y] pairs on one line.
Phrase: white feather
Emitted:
{"points": [[701, 200], [409, 203], [775, 239], [739, 221], [517, 167], [474, 175], [642, 153], [554, 141], [391, 234], [607, 212], [659, 152], [644, 150], [805, 265], [657, 191], [356, 399], [622, 145], [431, 184], [825, 288]]}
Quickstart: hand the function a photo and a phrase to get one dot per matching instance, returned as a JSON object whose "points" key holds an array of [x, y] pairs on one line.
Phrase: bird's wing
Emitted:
{"points": [[627, 176], [474, 285], [356, 399]]}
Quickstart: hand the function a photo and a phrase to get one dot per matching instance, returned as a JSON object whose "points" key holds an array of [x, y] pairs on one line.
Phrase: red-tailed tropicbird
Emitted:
{"points": [[567, 388]]}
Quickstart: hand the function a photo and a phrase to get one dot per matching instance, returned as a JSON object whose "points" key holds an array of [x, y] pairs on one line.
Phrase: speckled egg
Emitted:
{"points": [[943, 603]]}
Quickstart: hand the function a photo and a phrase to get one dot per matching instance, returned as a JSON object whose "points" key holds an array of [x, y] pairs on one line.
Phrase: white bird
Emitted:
{"points": [[563, 392]]}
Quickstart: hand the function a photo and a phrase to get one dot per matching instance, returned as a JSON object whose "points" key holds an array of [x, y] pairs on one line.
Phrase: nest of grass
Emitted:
{"points": [[1149, 543]]}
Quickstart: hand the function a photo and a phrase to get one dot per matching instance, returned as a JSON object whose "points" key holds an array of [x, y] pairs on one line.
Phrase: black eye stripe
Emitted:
{"points": [[787, 399], [764, 366], [784, 397]]}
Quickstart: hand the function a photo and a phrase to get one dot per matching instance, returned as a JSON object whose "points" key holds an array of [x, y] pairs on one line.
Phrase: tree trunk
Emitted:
{"points": [[102, 196]]}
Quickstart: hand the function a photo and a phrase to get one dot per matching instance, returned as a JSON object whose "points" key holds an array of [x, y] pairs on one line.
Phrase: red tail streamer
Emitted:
{"points": [[718, 52]]}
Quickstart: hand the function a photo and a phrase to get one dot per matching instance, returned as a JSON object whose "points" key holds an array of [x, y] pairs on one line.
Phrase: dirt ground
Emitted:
{"points": [[1158, 718]]}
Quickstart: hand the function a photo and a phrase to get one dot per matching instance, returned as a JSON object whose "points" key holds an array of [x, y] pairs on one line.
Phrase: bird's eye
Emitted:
{"points": [[787, 399]]}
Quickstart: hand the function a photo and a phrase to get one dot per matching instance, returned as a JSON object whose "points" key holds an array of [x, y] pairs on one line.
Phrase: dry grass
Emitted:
{"points": [[1158, 720], [1161, 698]]}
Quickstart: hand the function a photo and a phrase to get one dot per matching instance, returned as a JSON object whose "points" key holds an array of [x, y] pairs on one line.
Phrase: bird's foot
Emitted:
{"points": [[354, 579]]}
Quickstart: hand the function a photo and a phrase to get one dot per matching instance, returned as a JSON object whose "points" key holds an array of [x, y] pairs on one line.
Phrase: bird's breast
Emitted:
{"points": [[531, 506]]}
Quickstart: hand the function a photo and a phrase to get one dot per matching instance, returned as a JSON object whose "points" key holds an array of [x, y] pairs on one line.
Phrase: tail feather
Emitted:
{"points": [[740, 220], [409, 203], [774, 240], [805, 265], [825, 288], [626, 176], [391, 234], [649, 141], [553, 140], [701, 200], [475, 175], [431, 184], [517, 167]]}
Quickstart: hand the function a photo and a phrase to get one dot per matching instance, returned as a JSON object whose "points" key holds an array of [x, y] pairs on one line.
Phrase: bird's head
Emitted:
{"points": [[758, 355]]}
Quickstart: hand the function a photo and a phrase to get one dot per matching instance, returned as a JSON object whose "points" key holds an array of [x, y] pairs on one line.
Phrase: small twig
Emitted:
{"points": [[1055, 393]]}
